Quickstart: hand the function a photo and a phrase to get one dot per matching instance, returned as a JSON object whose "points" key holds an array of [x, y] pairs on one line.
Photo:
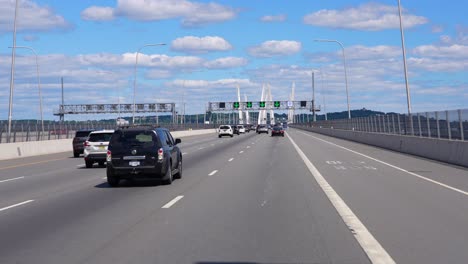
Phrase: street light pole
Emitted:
{"points": [[135, 75], [38, 84], [12, 75], [345, 69], [408, 96]]}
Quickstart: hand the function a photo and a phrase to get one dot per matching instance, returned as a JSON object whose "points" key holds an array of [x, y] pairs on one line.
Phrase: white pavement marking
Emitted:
{"points": [[104, 178], [201, 148], [173, 201], [15, 205], [212, 145], [240, 152], [231, 159], [393, 166], [184, 153], [373, 249], [213, 173], [12, 179], [80, 166], [248, 146]]}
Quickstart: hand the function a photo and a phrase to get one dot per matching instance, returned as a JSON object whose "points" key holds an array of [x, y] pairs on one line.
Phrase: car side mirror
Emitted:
{"points": [[178, 140]]}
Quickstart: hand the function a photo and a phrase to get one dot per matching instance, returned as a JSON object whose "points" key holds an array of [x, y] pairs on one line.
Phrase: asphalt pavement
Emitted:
{"points": [[247, 199]]}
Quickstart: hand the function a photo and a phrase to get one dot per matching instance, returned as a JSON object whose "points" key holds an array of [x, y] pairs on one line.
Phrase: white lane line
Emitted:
{"points": [[393, 166], [248, 147], [373, 249], [201, 148], [12, 179], [213, 173], [184, 153], [104, 178], [15, 205], [80, 166], [231, 159], [212, 145], [240, 152], [173, 201]]}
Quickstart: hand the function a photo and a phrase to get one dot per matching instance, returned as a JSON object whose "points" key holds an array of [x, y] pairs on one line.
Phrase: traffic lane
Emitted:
{"points": [[210, 142], [449, 174], [414, 220], [261, 207], [41, 175], [92, 214]]}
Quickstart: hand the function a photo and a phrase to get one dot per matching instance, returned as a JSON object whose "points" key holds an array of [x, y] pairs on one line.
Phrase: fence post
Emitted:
{"points": [[460, 119], [449, 129], [437, 124], [428, 125]]}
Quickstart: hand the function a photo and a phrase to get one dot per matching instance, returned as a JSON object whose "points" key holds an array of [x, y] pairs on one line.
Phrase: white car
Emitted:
{"points": [[95, 147], [225, 130], [241, 129]]}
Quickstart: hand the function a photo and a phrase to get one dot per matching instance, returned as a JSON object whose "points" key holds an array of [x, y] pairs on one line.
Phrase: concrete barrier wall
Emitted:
{"points": [[35, 148], [450, 151]]}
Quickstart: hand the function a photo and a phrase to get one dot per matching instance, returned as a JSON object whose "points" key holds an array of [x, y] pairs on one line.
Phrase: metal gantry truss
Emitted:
{"points": [[114, 109], [261, 105]]}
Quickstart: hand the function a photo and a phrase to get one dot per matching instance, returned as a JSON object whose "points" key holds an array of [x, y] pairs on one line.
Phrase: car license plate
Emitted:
{"points": [[134, 163], [102, 147]]}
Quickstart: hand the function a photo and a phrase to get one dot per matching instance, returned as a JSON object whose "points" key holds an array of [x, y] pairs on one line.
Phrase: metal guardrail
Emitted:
{"points": [[449, 124], [25, 132]]}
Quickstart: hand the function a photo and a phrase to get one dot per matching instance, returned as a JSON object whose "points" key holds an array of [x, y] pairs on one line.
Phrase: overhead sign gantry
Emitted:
{"points": [[261, 105]]}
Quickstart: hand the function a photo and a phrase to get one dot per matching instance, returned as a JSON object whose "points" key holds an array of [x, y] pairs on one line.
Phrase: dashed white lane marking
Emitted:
{"points": [[212, 145], [213, 173], [201, 148], [184, 153], [80, 166], [104, 178], [172, 202], [393, 166], [231, 159], [12, 179], [370, 245], [248, 147], [15, 205], [240, 152]]}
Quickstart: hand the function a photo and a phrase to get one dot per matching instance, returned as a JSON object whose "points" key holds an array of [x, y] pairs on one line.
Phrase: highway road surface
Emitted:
{"points": [[304, 198]]}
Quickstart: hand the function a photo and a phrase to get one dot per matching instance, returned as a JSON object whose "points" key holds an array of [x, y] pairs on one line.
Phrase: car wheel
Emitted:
{"points": [[112, 180], [76, 154], [232, 135], [219, 136], [89, 164], [179, 168], [168, 178]]}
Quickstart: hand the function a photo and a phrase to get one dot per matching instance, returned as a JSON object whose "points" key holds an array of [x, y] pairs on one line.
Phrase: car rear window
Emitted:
{"points": [[100, 137], [224, 127], [82, 133], [277, 128], [144, 138]]}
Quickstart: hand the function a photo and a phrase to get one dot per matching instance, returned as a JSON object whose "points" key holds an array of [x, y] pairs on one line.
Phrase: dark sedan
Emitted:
{"points": [[277, 131]]}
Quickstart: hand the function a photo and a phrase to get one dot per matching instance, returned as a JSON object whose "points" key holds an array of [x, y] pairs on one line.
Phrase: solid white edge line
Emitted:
{"points": [[15, 205], [231, 159], [12, 179], [373, 249], [213, 173], [172, 202], [393, 166]]}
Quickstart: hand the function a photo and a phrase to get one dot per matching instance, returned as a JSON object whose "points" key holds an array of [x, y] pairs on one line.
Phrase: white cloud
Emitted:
{"points": [[192, 44], [454, 51], [97, 13], [225, 63], [273, 48], [277, 18], [437, 29], [191, 13], [31, 17], [367, 17]]}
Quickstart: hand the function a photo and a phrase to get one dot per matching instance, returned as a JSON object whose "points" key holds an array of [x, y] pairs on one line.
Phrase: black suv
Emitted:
{"points": [[143, 152], [78, 140]]}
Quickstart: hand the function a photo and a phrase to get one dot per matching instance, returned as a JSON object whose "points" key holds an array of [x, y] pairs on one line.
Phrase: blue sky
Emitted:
{"points": [[212, 46]]}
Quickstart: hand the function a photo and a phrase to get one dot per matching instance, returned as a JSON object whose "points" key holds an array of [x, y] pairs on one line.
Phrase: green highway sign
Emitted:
{"points": [[277, 103], [249, 104], [235, 105], [261, 104]]}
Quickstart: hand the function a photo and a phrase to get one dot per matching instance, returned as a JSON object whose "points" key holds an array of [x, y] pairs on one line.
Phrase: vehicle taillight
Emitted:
{"points": [[109, 156], [86, 144], [160, 154]]}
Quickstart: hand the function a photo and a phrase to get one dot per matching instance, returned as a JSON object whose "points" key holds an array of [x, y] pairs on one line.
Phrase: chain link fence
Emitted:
{"points": [[23, 131], [449, 124]]}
